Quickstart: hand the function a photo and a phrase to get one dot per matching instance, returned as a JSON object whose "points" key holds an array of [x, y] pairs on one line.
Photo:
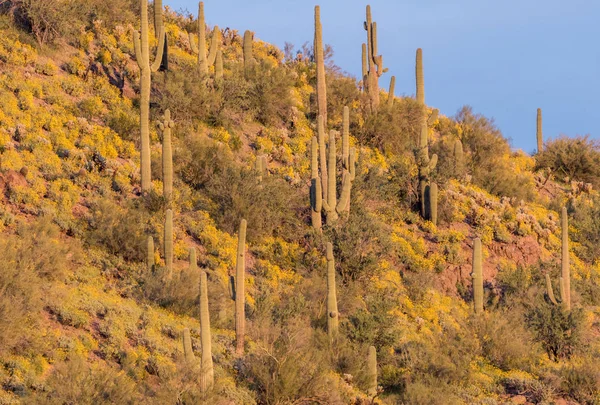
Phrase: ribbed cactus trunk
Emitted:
{"points": [[459, 159], [565, 270], [539, 135], [365, 69], [167, 154], [316, 194], [390, 100], [247, 50], [372, 371], [142, 55], [188, 352], [150, 253], [193, 260], [549, 290], [432, 202], [206, 371], [168, 242], [204, 60], [320, 64], [374, 62], [219, 65], [332, 215], [240, 274], [261, 166], [420, 78], [477, 276], [159, 27], [322, 155], [332, 311], [346, 138]]}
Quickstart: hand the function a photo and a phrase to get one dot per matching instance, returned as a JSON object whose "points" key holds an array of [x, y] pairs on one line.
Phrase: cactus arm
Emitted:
{"points": [[345, 137], [433, 117], [137, 46], [539, 135], [352, 163], [159, 51], [215, 42], [322, 154], [391, 91], [549, 290], [192, 43], [219, 65], [345, 195], [188, 352], [364, 66], [320, 62]]}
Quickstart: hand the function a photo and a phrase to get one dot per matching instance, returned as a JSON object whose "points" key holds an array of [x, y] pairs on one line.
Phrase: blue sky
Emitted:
{"points": [[505, 58]]}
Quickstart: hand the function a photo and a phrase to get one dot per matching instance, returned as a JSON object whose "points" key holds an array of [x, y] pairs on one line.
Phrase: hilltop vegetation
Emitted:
{"points": [[374, 306]]}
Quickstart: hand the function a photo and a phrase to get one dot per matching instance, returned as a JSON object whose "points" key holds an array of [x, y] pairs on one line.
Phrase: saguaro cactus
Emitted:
{"points": [[565, 270], [539, 135], [459, 158], [247, 48], [316, 195], [425, 164], [193, 259], [206, 372], [150, 252], [188, 352], [320, 62], [165, 127], [332, 206], [142, 55], [158, 27], [346, 138], [322, 155], [374, 62], [168, 242], [372, 371], [562, 291], [332, 311], [204, 60], [240, 273], [219, 65], [432, 202], [477, 276], [390, 100], [261, 166]]}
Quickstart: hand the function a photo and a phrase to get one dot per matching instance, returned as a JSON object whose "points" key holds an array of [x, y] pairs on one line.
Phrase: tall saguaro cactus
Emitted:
{"points": [[240, 299], [167, 154], [316, 195], [206, 372], [372, 371], [539, 135], [168, 242], [565, 268], [459, 158], [374, 62], [204, 60], [432, 202], [332, 310], [322, 155], [390, 100], [320, 62], [477, 276], [142, 55], [159, 27], [424, 162], [247, 50]]}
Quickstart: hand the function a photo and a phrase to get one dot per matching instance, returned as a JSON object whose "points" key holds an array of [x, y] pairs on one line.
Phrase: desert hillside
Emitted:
{"points": [[191, 215]]}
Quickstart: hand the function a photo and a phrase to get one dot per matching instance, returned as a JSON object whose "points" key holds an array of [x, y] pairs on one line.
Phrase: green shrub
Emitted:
{"points": [[558, 331], [269, 94], [582, 382], [575, 158]]}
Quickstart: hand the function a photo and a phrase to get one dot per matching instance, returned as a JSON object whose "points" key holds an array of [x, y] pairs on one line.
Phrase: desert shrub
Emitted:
{"points": [[557, 330], [31, 257], [586, 219], [286, 365], [179, 294], [504, 341], [575, 158], [358, 244], [78, 382], [582, 382], [488, 157], [393, 129], [341, 92], [271, 207], [269, 94], [119, 229], [429, 392], [375, 324]]}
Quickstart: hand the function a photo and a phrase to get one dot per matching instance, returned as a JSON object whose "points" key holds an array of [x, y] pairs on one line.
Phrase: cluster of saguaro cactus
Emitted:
{"points": [[142, 55], [372, 371], [477, 276], [332, 310], [372, 63], [539, 135], [205, 60], [320, 63], [424, 162], [165, 127], [331, 204], [247, 51], [565, 278], [168, 243], [240, 299]]}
